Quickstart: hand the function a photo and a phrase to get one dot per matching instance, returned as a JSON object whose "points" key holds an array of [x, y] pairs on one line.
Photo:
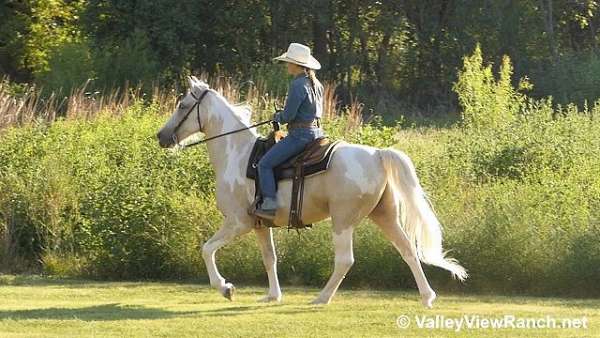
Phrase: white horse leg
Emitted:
{"points": [[344, 258], [386, 216], [267, 248], [395, 233], [223, 236]]}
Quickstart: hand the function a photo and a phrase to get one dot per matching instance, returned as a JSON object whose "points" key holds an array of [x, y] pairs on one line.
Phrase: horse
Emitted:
{"points": [[361, 181]]}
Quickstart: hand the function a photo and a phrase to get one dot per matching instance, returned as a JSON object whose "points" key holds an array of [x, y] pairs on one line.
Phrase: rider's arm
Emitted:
{"points": [[296, 94]]}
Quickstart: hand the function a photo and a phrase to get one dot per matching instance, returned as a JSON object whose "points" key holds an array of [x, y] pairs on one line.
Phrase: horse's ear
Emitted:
{"points": [[191, 82], [200, 82]]}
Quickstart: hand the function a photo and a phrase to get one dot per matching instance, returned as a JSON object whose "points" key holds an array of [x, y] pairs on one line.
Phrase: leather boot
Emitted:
{"points": [[267, 209]]}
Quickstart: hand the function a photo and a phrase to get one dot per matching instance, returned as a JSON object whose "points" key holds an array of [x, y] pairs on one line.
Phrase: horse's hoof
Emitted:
{"points": [[427, 299], [269, 299], [229, 290]]}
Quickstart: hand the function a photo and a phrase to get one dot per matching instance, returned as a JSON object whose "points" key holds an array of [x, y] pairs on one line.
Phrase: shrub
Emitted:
{"points": [[101, 198], [487, 103], [97, 197], [571, 79], [131, 62], [70, 66], [523, 200]]}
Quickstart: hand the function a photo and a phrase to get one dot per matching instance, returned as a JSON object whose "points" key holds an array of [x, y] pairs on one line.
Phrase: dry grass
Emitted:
{"points": [[30, 106]]}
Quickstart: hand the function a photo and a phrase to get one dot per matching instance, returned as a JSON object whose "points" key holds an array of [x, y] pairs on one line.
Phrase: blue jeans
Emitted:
{"points": [[289, 146]]}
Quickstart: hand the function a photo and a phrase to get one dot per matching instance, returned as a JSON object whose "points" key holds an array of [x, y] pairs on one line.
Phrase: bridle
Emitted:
{"points": [[197, 106]]}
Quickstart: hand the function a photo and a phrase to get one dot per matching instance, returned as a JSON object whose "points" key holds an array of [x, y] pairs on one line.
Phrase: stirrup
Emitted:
{"points": [[266, 214]]}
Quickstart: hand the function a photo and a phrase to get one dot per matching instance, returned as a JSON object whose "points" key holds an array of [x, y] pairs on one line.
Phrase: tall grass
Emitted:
{"points": [[26, 104], [515, 186], [69, 195]]}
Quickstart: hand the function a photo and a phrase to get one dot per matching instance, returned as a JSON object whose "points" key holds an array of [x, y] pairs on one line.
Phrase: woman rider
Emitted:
{"points": [[303, 108]]}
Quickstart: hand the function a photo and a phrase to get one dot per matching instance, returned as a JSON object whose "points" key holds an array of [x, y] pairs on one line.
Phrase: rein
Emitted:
{"points": [[197, 106], [227, 133]]}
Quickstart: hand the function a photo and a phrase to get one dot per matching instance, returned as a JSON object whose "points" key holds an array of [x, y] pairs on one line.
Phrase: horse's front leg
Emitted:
{"points": [[227, 232], [267, 248]]}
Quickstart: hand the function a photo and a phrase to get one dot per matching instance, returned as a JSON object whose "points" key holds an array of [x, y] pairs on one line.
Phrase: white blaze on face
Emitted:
{"points": [[184, 113]]}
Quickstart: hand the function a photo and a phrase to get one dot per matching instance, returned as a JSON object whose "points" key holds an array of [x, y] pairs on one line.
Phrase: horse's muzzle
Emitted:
{"points": [[163, 141]]}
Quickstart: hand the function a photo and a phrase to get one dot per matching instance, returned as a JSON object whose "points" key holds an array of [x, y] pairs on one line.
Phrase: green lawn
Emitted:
{"points": [[43, 307]]}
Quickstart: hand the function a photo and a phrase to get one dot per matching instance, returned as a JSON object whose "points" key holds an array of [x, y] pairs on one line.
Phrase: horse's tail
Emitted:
{"points": [[419, 220]]}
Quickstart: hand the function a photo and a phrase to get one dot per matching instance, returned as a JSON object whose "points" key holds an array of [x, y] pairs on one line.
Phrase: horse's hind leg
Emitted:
{"points": [[387, 216], [267, 248]]}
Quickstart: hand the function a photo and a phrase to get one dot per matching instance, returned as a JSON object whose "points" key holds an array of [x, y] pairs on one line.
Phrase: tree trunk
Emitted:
{"points": [[320, 22], [547, 9], [382, 53]]}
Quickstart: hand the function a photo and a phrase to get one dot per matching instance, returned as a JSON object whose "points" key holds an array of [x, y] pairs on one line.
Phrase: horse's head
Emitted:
{"points": [[186, 119]]}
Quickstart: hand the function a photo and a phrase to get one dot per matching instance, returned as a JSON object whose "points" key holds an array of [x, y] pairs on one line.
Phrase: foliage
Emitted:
{"points": [[51, 24], [103, 213], [405, 52], [515, 187], [130, 61], [73, 192], [69, 68], [572, 78], [487, 102], [99, 198], [526, 177]]}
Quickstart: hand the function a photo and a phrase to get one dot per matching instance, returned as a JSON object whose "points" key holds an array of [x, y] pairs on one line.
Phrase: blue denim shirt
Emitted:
{"points": [[302, 103]]}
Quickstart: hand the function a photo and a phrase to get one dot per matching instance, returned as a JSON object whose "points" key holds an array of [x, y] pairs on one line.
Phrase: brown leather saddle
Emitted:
{"points": [[314, 159]]}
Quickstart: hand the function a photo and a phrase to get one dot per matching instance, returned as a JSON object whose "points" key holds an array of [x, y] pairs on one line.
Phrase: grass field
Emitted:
{"points": [[44, 307]]}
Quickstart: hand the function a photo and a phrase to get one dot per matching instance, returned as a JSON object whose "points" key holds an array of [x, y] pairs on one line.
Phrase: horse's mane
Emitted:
{"points": [[243, 112]]}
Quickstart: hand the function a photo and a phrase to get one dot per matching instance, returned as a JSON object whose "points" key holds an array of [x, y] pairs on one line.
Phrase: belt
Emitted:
{"points": [[305, 124]]}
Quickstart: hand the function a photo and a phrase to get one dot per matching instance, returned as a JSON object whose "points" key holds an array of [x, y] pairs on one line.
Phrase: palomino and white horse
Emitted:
{"points": [[361, 182]]}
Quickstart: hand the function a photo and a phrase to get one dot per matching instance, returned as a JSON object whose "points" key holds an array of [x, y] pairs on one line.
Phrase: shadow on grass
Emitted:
{"points": [[104, 312], [447, 299], [277, 309], [39, 280], [116, 311]]}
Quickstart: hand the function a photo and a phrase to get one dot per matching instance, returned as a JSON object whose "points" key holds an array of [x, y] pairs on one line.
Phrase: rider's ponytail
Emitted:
{"points": [[312, 77]]}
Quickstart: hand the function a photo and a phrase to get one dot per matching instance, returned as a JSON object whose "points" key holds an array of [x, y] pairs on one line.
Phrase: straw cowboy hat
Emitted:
{"points": [[299, 54]]}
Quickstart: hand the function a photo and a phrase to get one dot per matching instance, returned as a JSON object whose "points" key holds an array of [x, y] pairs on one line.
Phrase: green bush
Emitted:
{"points": [[132, 61], [103, 198], [573, 78], [527, 190], [271, 78], [518, 203], [75, 188], [70, 67], [487, 103]]}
